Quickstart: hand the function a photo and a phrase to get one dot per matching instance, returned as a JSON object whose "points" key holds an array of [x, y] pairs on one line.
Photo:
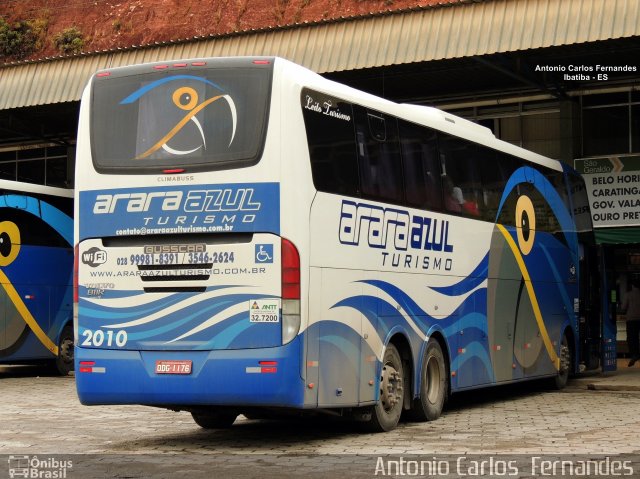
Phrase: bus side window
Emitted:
{"points": [[461, 180], [545, 217], [420, 166], [559, 187], [506, 166], [378, 156], [332, 147], [580, 203], [492, 182]]}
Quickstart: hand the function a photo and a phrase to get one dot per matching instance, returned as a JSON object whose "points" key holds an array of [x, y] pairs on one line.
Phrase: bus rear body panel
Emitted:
{"points": [[245, 377], [183, 293], [175, 317]]}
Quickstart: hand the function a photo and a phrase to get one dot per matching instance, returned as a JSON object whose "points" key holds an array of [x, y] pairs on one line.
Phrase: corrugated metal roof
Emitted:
{"points": [[411, 36]]}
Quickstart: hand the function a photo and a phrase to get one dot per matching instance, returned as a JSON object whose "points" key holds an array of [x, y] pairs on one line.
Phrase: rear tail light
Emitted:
{"points": [[290, 319], [290, 291], [290, 270], [90, 367]]}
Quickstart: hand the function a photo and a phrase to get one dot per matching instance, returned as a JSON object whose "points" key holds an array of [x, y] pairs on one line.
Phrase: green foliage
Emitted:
{"points": [[39, 27], [18, 40], [70, 40]]}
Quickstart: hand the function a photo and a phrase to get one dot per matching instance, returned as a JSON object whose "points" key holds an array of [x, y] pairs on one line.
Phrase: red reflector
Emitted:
{"points": [[179, 65], [173, 170], [261, 62], [268, 370], [198, 64], [103, 74], [268, 363], [290, 270], [161, 67], [87, 366]]}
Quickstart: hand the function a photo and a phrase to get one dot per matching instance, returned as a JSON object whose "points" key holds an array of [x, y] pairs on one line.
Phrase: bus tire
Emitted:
{"points": [[64, 359], [215, 420], [434, 384], [386, 413], [566, 364]]}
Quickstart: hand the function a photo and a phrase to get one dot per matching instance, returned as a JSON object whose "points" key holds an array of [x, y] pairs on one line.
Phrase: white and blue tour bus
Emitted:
{"points": [[254, 237]]}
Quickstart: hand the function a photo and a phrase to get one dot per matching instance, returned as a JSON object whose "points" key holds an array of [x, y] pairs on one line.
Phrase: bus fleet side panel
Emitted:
{"points": [[36, 269], [253, 236]]}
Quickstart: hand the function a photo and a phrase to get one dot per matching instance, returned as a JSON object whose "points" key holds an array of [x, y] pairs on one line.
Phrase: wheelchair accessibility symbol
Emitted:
{"points": [[264, 253]]}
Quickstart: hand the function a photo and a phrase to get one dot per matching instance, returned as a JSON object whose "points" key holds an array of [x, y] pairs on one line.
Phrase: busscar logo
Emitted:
{"points": [[175, 248], [94, 257]]}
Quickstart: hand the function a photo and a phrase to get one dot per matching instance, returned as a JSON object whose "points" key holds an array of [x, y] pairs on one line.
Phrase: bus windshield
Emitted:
{"points": [[196, 118]]}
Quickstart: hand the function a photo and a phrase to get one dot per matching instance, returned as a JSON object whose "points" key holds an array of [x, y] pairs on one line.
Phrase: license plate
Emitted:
{"points": [[173, 367]]}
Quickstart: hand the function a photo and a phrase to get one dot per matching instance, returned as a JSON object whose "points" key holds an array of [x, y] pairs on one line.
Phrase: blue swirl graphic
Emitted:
{"points": [[468, 317], [475, 278], [147, 88], [234, 332]]}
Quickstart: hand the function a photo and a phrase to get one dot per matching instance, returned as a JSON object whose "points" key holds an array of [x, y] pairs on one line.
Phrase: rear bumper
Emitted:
{"points": [[220, 377]]}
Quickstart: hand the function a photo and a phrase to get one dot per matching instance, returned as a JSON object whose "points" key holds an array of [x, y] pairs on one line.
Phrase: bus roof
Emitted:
{"points": [[420, 114], [33, 188], [423, 115]]}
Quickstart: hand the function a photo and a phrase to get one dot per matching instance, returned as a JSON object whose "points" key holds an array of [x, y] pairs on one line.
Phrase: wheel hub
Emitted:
{"points": [[390, 387], [66, 350], [565, 358]]}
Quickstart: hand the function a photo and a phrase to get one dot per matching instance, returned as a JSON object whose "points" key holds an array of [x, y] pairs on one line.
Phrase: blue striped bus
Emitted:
{"points": [[253, 236], [36, 275]]}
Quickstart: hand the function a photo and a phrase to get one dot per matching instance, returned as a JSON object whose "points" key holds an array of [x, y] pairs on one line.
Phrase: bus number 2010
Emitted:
{"points": [[99, 338]]}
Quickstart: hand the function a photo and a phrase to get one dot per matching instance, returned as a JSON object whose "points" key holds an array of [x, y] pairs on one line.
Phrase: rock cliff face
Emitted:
{"points": [[108, 24]]}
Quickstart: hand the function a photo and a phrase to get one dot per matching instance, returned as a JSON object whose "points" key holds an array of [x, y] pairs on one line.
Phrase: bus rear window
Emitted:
{"points": [[194, 118]]}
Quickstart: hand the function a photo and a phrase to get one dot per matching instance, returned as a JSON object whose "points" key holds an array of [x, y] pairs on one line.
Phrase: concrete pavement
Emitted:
{"points": [[41, 416], [623, 379]]}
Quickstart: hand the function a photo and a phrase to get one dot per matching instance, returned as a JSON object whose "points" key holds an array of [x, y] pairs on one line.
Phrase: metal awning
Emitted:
{"points": [[443, 32]]}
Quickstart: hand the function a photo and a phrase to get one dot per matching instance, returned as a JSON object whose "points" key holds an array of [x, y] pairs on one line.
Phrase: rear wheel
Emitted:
{"points": [[566, 364], [64, 360], [386, 413], [434, 384], [215, 420]]}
